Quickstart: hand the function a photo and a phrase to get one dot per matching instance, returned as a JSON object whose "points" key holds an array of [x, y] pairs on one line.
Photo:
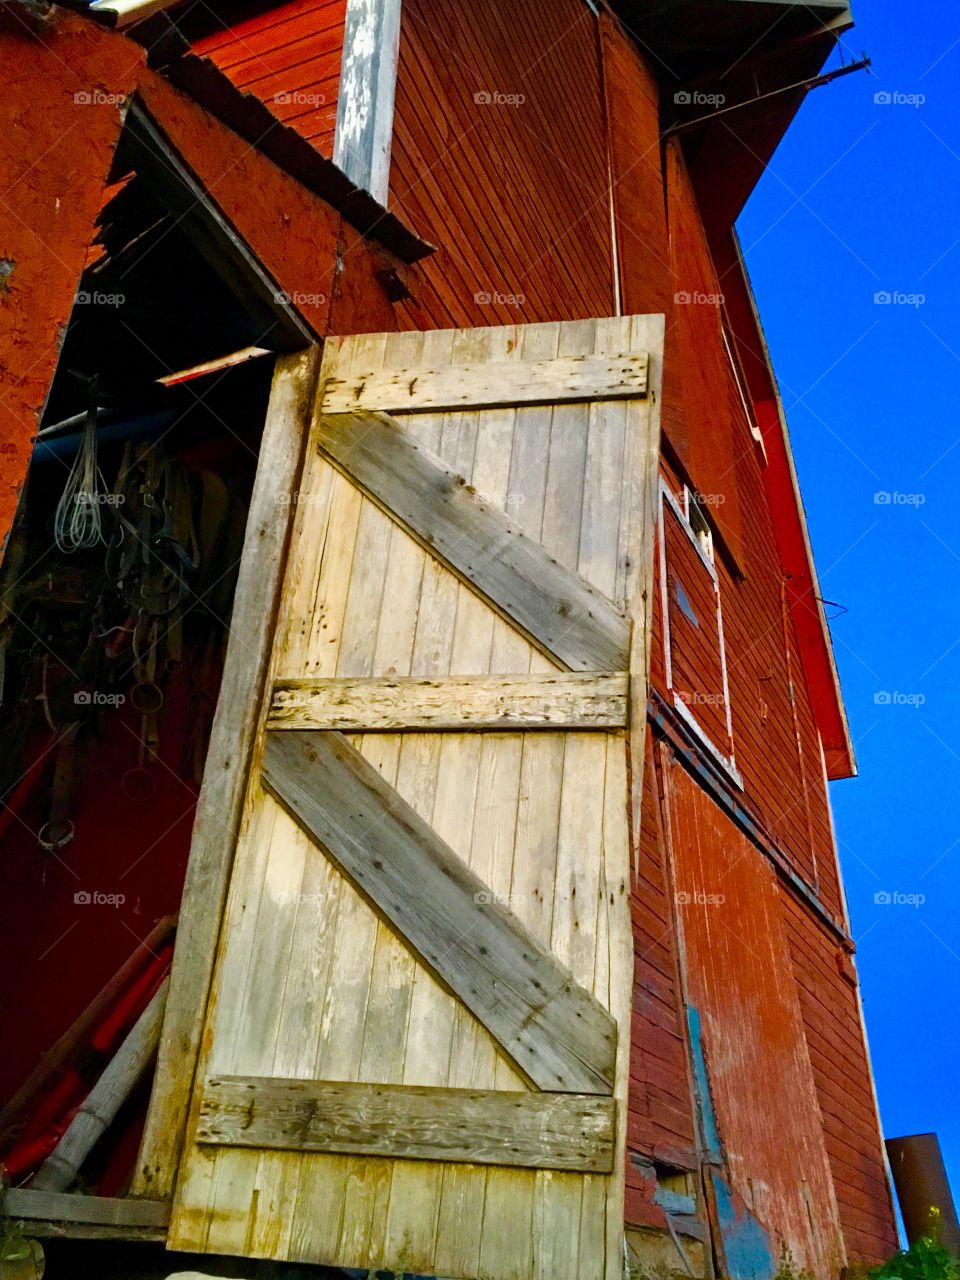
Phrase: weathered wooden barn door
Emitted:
{"points": [[415, 1050]]}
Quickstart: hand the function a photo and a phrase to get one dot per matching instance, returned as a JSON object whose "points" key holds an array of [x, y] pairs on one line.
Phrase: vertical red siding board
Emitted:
{"points": [[524, 224], [842, 1074], [566, 130], [706, 385], [458, 202], [660, 1100], [738, 974], [450, 202]]}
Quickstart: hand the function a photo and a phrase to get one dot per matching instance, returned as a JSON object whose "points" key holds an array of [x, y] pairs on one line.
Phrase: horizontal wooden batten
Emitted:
{"points": [[62, 1206], [499, 384], [541, 700], [556, 1032], [567, 618], [525, 1130]]}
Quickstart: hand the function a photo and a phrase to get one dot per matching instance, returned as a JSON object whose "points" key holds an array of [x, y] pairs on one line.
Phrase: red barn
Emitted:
{"points": [[418, 702]]}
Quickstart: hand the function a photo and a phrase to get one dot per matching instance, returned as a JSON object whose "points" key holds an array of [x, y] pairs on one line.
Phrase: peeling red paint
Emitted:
{"points": [[65, 84], [296, 236]]}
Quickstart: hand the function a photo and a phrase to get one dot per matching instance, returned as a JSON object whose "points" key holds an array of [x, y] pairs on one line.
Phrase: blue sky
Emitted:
{"points": [[862, 198]]}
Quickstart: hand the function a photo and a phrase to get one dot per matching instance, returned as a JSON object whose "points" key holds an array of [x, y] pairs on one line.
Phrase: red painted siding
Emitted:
{"points": [[661, 1124], [499, 159], [55, 152], [289, 56], [831, 1018], [702, 389], [738, 975], [326, 268]]}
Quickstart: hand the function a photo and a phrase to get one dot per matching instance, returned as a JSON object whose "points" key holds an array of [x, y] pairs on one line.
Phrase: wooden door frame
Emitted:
{"points": [[241, 707]]}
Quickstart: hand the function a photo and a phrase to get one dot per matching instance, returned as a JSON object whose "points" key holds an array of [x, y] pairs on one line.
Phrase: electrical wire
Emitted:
{"points": [[77, 524]]}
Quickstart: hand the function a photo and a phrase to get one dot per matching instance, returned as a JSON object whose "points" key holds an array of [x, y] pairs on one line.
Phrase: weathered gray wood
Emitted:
{"points": [[53, 1206], [559, 610], [235, 726], [559, 1035], [497, 384], [365, 103], [99, 1109], [541, 700], [526, 1130]]}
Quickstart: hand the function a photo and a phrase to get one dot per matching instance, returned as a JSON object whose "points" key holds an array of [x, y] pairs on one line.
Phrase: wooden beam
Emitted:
{"points": [[497, 384], [99, 1109], [525, 1130], [567, 618], [235, 726], [365, 102], [558, 1034], [541, 700], [61, 1206]]}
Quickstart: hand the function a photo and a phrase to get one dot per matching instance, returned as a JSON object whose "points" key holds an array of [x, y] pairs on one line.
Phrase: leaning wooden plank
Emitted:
{"points": [[105, 1099], [53, 1206], [476, 1126], [540, 700], [499, 384], [558, 609], [235, 726], [558, 1034], [74, 1038]]}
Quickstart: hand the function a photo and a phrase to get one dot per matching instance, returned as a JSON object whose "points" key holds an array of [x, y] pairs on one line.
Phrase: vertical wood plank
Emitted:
{"points": [[365, 101], [220, 804]]}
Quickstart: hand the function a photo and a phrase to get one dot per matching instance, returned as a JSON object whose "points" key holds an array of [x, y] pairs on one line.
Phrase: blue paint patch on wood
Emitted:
{"points": [[746, 1243], [709, 1133], [673, 1202]]}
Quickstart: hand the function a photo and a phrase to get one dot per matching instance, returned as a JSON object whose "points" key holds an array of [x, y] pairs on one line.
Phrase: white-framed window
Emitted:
{"points": [[694, 654], [698, 522]]}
